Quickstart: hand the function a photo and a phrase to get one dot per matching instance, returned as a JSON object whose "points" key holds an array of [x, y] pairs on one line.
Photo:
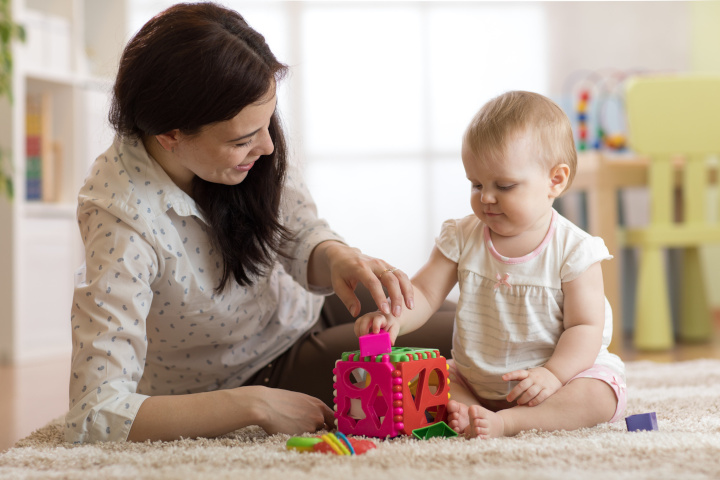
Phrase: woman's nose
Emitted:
{"points": [[265, 145]]}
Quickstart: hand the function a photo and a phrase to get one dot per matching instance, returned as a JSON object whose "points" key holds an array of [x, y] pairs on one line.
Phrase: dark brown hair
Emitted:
{"points": [[193, 65]]}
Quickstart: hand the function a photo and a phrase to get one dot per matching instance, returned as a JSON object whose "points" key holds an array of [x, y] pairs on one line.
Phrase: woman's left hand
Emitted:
{"points": [[345, 267]]}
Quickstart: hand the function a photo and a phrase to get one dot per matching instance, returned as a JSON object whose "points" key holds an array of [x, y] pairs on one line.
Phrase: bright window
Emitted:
{"points": [[379, 96]]}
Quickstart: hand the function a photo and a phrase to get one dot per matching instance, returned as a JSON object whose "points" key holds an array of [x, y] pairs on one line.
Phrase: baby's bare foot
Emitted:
{"points": [[483, 423], [458, 418]]}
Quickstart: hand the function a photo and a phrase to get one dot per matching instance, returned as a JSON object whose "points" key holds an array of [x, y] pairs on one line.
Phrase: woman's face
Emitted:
{"points": [[224, 152]]}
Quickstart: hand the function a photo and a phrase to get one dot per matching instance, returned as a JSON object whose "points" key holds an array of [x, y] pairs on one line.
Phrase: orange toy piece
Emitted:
{"points": [[330, 443], [360, 446]]}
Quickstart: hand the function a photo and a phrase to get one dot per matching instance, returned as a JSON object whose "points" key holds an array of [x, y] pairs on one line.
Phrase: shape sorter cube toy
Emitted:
{"points": [[390, 394]]}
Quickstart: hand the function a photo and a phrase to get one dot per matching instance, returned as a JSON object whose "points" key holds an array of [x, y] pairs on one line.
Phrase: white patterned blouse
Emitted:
{"points": [[146, 319]]}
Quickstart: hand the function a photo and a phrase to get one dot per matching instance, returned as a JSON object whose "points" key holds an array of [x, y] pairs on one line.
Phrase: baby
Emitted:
{"points": [[532, 328]]}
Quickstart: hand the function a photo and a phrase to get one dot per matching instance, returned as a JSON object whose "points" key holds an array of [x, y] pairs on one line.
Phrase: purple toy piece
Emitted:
{"points": [[374, 344], [641, 421]]}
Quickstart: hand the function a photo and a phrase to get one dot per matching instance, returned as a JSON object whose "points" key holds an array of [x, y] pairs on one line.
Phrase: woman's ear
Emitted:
{"points": [[169, 140], [559, 176]]}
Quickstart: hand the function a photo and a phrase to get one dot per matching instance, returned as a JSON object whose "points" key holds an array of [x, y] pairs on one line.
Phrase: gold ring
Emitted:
{"points": [[388, 270]]}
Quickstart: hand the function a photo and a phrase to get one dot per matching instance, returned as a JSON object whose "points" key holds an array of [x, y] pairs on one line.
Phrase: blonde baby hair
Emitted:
{"points": [[514, 113]]}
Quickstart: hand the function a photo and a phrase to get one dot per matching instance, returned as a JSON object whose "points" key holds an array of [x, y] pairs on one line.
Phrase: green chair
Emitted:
{"points": [[674, 120]]}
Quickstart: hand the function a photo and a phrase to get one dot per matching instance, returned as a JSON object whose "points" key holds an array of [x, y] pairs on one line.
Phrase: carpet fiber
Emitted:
{"points": [[685, 396]]}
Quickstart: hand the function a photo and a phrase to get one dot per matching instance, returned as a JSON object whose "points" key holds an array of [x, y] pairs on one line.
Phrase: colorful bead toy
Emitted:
{"points": [[337, 444]]}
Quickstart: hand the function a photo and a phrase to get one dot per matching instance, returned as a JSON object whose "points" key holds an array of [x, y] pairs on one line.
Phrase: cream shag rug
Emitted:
{"points": [[685, 396]]}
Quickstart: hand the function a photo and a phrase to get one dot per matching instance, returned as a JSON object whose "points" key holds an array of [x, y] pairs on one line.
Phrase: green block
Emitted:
{"points": [[34, 168], [439, 429], [398, 354]]}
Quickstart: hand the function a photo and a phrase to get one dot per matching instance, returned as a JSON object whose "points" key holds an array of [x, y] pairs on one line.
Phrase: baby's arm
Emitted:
{"points": [[431, 284], [578, 345]]}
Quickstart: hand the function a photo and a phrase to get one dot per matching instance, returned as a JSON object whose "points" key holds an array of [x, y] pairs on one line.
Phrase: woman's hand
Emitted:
{"points": [[209, 414], [342, 267], [534, 387], [283, 411]]}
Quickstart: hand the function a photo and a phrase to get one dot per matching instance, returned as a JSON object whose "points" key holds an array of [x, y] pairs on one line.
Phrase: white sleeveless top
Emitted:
{"points": [[510, 310]]}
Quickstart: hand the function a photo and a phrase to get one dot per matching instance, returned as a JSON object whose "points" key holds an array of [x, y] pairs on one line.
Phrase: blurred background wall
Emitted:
{"points": [[376, 103]]}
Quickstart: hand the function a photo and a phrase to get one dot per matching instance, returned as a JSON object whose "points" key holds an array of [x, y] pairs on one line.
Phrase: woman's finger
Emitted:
{"points": [[329, 416], [406, 288], [346, 294], [375, 287], [390, 281]]}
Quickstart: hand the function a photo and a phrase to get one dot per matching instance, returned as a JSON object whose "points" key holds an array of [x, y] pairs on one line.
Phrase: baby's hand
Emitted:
{"points": [[534, 387], [376, 321]]}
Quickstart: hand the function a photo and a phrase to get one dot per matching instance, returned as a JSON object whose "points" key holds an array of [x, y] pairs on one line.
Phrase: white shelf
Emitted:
{"points": [[62, 79], [41, 210], [40, 246]]}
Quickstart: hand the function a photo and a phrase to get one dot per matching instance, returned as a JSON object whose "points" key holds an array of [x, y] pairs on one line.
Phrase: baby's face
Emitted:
{"points": [[513, 193]]}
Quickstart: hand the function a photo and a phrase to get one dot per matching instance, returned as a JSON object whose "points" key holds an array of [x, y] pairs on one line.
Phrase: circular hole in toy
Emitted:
{"points": [[359, 378]]}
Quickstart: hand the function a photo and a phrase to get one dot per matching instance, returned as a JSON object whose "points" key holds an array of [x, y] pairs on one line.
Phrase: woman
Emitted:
{"points": [[206, 264]]}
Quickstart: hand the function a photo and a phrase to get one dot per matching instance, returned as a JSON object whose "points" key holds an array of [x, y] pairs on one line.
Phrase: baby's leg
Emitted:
{"points": [[584, 402]]}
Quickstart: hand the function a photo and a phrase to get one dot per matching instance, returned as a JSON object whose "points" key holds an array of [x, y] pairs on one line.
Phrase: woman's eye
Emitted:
{"points": [[246, 144]]}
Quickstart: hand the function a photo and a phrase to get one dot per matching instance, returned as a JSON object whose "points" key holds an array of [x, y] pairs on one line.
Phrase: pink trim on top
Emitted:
{"points": [[524, 258]]}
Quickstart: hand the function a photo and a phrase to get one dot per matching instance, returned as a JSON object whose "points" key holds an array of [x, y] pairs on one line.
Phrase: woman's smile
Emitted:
{"points": [[245, 167]]}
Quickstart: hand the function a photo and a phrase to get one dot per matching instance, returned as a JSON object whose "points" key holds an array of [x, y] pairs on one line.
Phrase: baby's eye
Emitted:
{"points": [[505, 187], [477, 186]]}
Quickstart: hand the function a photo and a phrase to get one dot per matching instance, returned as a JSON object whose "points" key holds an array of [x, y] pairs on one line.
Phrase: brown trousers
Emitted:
{"points": [[307, 366]]}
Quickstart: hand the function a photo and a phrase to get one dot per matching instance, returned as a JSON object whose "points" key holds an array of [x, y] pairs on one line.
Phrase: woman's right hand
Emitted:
{"points": [[284, 411], [210, 414]]}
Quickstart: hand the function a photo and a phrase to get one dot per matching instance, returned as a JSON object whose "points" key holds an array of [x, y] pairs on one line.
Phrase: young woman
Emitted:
{"points": [[205, 263]]}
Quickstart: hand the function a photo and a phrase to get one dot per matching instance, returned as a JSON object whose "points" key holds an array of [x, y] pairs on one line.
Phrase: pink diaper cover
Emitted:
{"points": [[616, 382]]}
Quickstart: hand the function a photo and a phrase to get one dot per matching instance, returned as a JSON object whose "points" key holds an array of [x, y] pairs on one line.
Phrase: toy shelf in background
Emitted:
{"points": [[389, 394], [43, 155], [33, 148], [598, 109]]}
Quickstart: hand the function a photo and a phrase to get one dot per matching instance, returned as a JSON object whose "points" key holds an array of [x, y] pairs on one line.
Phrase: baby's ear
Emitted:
{"points": [[559, 176]]}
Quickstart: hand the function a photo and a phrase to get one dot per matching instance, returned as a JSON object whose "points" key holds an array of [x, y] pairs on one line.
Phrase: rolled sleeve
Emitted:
{"points": [[299, 215], [111, 302]]}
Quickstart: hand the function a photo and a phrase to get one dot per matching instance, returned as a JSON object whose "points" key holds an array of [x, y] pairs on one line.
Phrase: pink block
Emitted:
{"points": [[374, 344]]}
